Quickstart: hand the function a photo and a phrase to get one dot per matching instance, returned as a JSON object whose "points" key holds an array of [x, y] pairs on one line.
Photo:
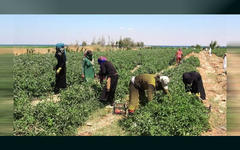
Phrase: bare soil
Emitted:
{"points": [[101, 119], [215, 84], [52, 98], [6, 50], [214, 81]]}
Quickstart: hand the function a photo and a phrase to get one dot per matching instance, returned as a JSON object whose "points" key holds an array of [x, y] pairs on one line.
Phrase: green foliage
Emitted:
{"points": [[183, 115], [219, 51], [84, 43], [34, 77], [128, 43], [213, 44]]}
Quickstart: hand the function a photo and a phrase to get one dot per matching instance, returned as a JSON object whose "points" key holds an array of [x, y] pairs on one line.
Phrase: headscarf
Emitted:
{"points": [[60, 50], [60, 47], [88, 54], [164, 81], [102, 59], [187, 78]]}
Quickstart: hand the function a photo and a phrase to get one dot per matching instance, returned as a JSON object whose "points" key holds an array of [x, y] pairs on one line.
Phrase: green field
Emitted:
{"points": [[33, 76], [6, 101]]}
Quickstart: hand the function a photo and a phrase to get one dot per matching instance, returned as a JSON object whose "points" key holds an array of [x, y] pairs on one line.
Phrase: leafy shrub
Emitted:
{"points": [[183, 115]]}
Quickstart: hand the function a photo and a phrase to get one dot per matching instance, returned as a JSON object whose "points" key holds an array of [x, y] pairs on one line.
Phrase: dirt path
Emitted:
{"points": [[98, 121], [103, 122], [136, 68], [52, 98], [215, 82]]}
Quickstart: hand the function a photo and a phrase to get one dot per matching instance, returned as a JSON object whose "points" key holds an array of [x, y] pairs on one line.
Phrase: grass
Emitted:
{"points": [[112, 130], [6, 102]]}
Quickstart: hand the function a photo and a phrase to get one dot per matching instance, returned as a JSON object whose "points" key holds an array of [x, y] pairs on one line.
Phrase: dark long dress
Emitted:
{"points": [[195, 80], [109, 71], [61, 77]]}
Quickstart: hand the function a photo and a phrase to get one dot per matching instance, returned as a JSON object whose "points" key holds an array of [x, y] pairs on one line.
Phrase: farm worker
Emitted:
{"points": [[88, 66], [108, 71], [148, 82], [225, 63], [179, 55], [210, 51], [193, 83], [60, 68]]}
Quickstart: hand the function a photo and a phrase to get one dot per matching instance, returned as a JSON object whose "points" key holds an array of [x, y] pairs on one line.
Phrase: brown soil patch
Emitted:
{"points": [[136, 68], [215, 84], [52, 98], [6, 50], [19, 51], [98, 123]]}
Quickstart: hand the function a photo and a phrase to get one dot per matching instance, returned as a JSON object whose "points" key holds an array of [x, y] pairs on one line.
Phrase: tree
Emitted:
{"points": [[213, 44], [198, 46], [84, 43], [93, 41], [101, 41], [141, 44]]}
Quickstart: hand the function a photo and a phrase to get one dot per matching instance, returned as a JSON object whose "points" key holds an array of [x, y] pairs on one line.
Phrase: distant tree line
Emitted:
{"points": [[125, 43], [213, 45]]}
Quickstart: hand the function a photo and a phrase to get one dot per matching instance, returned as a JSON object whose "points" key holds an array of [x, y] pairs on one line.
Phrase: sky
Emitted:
{"points": [[151, 29]]}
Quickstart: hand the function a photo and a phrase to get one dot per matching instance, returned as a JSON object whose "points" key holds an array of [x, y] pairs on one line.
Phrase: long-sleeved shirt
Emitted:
{"points": [[146, 82], [61, 58], [107, 69]]}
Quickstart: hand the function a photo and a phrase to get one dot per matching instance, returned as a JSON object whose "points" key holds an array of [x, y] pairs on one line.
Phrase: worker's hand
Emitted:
{"points": [[197, 94], [58, 70], [92, 62], [82, 76]]}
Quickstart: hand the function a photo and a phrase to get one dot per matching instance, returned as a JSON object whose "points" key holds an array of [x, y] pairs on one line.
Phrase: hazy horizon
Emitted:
{"points": [[166, 30]]}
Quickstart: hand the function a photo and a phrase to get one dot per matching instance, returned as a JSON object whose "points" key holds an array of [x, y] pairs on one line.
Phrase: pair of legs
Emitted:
{"points": [[108, 96], [137, 95], [178, 59]]}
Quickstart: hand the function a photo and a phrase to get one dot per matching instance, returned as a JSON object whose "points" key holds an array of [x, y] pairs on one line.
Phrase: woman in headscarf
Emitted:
{"points": [[88, 66], [60, 68], [108, 71], [193, 83]]}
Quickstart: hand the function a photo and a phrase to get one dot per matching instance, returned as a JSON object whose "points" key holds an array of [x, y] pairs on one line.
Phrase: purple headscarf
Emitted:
{"points": [[102, 59]]}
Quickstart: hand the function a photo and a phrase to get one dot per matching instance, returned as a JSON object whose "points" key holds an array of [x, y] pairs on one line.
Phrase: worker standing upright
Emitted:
{"points": [[225, 63], [108, 71], [60, 68], [193, 83], [88, 66], [210, 51], [179, 55], [148, 82]]}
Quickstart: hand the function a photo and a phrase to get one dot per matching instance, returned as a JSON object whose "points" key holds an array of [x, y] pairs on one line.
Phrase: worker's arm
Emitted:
{"points": [[88, 62], [102, 72], [61, 62], [150, 91]]}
